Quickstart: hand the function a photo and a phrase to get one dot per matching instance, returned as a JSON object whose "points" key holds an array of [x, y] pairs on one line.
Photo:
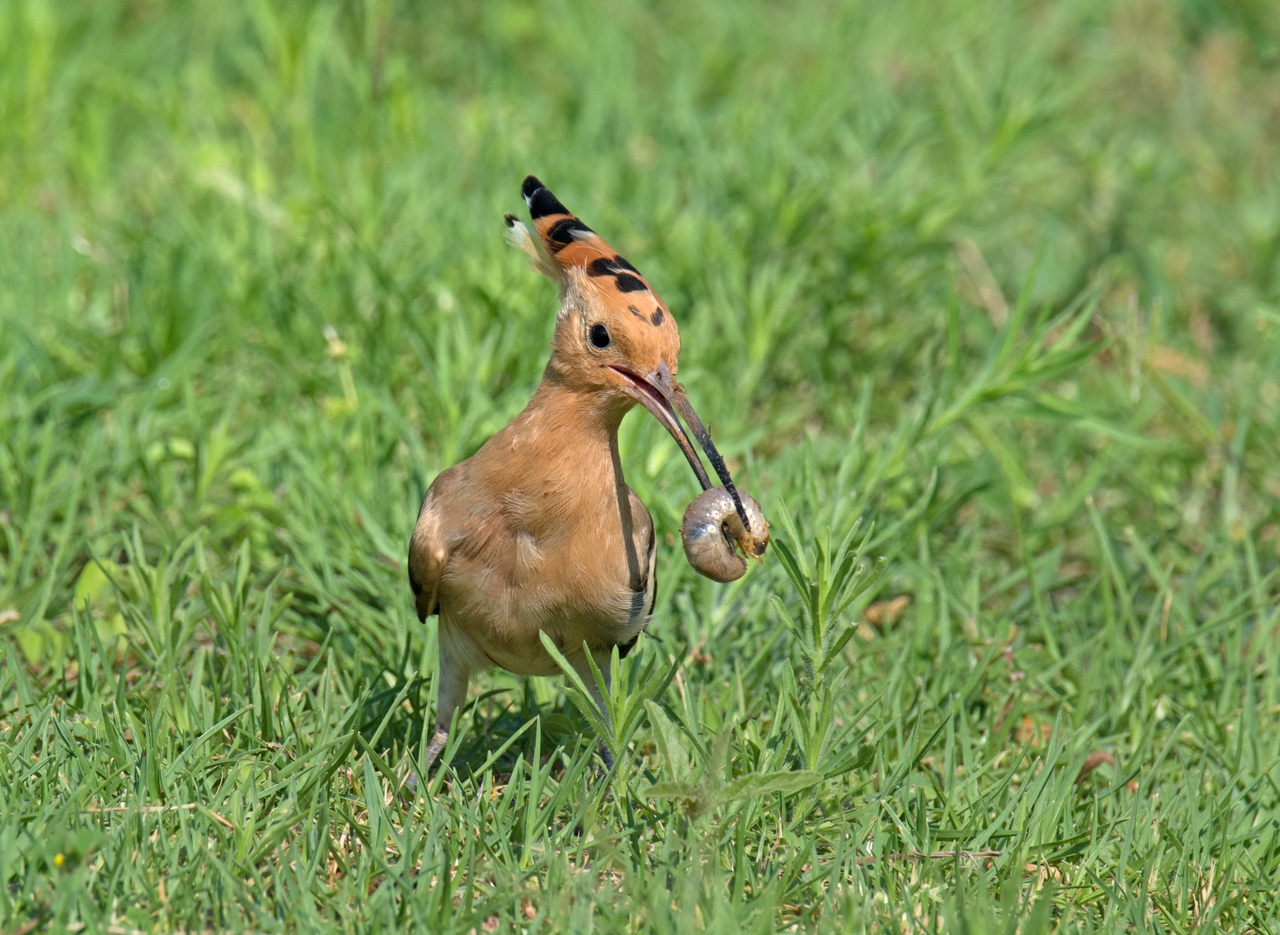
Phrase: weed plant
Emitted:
{"points": [[981, 299]]}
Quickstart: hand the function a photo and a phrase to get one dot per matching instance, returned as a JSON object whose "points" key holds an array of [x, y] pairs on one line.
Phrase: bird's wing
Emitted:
{"points": [[428, 555], [645, 545]]}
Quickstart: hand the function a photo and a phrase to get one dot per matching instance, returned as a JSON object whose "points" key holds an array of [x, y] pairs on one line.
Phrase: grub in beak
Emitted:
{"points": [[664, 398], [711, 528]]}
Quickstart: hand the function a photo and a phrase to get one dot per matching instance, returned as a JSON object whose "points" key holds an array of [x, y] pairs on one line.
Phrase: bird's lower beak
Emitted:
{"points": [[654, 392], [663, 397]]}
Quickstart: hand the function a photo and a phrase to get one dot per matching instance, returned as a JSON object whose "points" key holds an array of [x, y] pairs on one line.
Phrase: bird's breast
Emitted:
{"points": [[545, 536], [577, 574]]}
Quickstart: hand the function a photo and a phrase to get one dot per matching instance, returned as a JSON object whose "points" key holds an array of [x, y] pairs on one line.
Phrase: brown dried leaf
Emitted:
{"points": [[1167, 360], [1093, 761], [1036, 733], [886, 611]]}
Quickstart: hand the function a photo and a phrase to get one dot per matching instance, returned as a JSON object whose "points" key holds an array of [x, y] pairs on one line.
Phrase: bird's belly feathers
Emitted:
{"points": [[591, 586]]}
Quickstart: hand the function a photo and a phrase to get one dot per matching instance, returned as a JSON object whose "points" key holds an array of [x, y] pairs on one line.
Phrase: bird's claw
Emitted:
{"points": [[438, 740]]}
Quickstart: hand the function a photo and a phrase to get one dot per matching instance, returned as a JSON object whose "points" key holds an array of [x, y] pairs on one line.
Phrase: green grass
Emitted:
{"points": [[1000, 281]]}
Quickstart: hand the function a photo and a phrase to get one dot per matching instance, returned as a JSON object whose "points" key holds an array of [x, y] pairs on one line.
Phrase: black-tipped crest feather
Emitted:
{"points": [[540, 201]]}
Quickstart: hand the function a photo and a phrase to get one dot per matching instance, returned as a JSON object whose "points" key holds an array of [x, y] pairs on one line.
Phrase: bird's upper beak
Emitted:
{"points": [[658, 392]]}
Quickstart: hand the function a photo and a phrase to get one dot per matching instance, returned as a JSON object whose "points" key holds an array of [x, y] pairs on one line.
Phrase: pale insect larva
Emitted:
{"points": [[712, 528]]}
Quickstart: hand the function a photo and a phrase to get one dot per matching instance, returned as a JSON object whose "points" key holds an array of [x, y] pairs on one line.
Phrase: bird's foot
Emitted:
{"points": [[438, 740], [409, 786]]}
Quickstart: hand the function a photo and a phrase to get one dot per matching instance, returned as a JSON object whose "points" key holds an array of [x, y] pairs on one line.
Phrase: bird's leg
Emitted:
{"points": [[451, 681], [597, 694], [438, 740]]}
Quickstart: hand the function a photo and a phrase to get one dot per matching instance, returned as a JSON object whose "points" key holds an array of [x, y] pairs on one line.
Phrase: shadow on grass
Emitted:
{"points": [[490, 720]]}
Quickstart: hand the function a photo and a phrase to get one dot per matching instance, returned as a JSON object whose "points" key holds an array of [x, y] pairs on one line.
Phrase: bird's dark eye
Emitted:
{"points": [[600, 336]]}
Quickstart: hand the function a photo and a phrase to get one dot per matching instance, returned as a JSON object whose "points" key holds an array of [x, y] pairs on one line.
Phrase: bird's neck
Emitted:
{"points": [[589, 418], [565, 444]]}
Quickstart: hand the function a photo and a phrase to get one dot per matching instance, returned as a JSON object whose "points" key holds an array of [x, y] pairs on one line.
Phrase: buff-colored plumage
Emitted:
{"points": [[538, 531]]}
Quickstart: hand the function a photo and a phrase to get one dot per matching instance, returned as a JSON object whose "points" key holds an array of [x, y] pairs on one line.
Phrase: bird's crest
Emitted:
{"points": [[564, 242]]}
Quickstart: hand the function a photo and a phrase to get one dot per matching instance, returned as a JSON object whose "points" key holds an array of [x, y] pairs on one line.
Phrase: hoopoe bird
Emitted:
{"points": [[537, 532]]}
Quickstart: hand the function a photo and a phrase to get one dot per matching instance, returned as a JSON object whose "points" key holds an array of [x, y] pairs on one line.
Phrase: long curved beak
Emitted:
{"points": [[663, 397]]}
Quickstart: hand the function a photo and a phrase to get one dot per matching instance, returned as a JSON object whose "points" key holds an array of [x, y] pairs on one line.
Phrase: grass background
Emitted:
{"points": [[1002, 279]]}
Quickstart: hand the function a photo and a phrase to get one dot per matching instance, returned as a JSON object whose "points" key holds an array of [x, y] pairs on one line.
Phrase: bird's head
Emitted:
{"points": [[615, 338]]}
